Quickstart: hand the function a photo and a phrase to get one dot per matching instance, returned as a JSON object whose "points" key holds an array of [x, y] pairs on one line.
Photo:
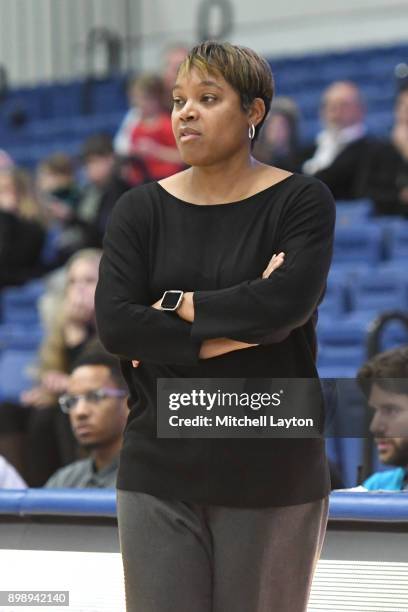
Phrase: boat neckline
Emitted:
{"points": [[226, 204]]}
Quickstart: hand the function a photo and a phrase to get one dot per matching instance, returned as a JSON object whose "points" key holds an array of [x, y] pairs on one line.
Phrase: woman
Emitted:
{"points": [[152, 138], [279, 141], [22, 232], [217, 524]]}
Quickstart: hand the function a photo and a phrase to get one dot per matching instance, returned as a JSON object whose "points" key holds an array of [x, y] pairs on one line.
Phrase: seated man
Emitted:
{"points": [[343, 150], [97, 408], [384, 381]]}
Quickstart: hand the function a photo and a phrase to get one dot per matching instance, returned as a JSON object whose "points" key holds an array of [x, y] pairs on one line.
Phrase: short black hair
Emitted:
{"points": [[98, 144], [389, 370], [95, 354]]}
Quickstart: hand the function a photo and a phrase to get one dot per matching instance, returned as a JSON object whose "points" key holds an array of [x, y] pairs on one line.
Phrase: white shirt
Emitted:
{"points": [[122, 140], [9, 477], [330, 143]]}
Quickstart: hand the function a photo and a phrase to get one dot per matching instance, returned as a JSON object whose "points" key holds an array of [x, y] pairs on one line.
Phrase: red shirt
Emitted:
{"points": [[161, 132]]}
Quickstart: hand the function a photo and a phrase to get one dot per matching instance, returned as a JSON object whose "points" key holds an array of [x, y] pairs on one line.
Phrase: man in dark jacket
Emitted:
{"points": [[343, 149]]}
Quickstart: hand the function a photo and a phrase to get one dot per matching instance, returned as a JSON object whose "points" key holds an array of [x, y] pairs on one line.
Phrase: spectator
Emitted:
{"points": [[9, 477], [105, 186], [342, 152], [96, 404], [278, 143], [384, 380], [152, 139], [22, 232], [173, 57], [388, 175], [56, 184], [47, 435], [121, 141]]}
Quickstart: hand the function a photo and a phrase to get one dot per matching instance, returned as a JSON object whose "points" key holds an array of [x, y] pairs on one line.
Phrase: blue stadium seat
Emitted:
{"points": [[379, 292], [334, 301], [20, 337], [350, 212], [19, 304], [347, 356], [14, 374], [363, 244], [350, 459], [399, 241], [345, 332]]}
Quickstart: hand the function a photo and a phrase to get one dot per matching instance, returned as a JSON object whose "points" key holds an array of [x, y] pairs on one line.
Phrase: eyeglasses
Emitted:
{"points": [[67, 402]]}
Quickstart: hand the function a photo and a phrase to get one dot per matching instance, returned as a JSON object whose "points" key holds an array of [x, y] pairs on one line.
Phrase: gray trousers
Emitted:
{"points": [[187, 557]]}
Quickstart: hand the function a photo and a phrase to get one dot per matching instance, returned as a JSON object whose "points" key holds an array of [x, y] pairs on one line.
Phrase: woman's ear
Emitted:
{"points": [[256, 111]]}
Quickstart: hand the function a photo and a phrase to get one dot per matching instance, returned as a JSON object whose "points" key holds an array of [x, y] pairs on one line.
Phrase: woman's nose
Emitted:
{"points": [[189, 111]]}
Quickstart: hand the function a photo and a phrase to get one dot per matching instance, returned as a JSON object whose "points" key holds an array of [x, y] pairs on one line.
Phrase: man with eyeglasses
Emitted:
{"points": [[384, 380], [96, 404]]}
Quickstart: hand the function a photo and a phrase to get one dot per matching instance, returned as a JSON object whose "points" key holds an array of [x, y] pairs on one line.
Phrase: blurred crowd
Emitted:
{"points": [[52, 225]]}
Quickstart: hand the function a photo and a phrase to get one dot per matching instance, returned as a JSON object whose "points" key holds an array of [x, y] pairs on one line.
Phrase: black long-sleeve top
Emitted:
{"points": [[155, 242], [21, 242], [387, 176]]}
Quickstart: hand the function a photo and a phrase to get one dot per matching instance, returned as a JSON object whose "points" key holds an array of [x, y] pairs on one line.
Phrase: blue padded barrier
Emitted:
{"points": [[344, 506], [371, 506], [68, 502], [11, 500]]}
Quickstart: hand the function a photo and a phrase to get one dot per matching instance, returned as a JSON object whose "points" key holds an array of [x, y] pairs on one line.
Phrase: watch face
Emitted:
{"points": [[171, 299]]}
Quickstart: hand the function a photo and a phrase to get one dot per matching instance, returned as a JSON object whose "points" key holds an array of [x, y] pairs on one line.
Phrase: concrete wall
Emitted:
{"points": [[44, 40]]}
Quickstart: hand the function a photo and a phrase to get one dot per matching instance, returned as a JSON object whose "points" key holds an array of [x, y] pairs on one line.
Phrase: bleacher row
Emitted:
{"points": [[60, 116], [368, 276]]}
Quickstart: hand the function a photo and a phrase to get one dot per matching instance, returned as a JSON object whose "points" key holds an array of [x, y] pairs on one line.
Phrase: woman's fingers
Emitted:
{"points": [[135, 363], [275, 262]]}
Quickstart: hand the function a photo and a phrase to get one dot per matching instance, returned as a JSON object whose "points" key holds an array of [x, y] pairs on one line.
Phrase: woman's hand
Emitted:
{"points": [[38, 397], [55, 381], [275, 262]]}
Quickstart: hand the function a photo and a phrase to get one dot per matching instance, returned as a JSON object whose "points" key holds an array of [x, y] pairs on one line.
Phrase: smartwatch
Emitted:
{"points": [[171, 300]]}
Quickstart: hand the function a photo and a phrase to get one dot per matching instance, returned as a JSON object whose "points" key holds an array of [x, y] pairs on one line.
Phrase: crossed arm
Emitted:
{"points": [[214, 347]]}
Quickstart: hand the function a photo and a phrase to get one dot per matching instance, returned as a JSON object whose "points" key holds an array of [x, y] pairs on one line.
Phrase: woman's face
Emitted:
{"points": [[401, 110], [209, 123], [277, 131], [80, 289], [147, 104]]}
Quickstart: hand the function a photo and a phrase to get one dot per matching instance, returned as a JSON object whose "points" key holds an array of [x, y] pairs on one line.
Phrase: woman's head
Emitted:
{"points": [[17, 194], [280, 132], [147, 94], [55, 172], [220, 91], [75, 305], [81, 280]]}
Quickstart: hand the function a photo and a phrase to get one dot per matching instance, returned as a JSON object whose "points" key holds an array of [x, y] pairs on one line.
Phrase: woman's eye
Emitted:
{"points": [[209, 98], [177, 101]]}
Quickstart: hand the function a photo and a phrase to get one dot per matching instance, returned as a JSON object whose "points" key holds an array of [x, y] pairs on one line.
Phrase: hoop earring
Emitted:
{"points": [[251, 132]]}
